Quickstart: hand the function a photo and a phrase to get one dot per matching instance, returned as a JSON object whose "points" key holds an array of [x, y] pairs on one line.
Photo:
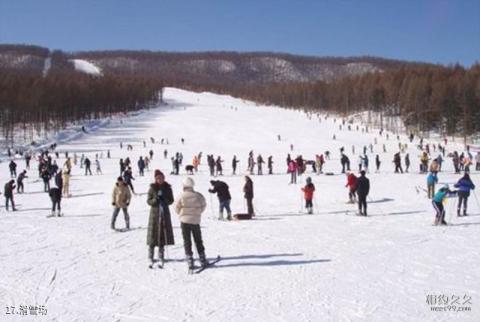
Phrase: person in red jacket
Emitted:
{"points": [[308, 191], [351, 184]]}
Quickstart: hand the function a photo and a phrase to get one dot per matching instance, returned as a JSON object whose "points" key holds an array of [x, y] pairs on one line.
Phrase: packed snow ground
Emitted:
{"points": [[282, 266]]}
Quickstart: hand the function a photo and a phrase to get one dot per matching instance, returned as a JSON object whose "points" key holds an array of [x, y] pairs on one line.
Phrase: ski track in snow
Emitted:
{"points": [[283, 266]]}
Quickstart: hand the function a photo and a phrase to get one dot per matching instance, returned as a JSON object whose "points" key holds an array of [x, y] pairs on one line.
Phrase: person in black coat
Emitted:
{"points": [[87, 163], [46, 179], [20, 179], [13, 169], [56, 198], [59, 180], [224, 197], [248, 194], [8, 193], [362, 189]]}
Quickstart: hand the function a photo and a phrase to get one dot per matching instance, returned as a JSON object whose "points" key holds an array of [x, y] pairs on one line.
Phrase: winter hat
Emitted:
{"points": [[212, 182], [158, 173], [188, 183], [119, 179], [309, 180]]}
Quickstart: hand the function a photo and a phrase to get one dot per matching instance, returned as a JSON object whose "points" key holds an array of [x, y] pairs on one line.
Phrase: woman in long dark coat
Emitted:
{"points": [[160, 231]]}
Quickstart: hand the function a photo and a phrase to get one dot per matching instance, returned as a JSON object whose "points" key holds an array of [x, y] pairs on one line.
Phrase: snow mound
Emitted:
{"points": [[86, 67]]}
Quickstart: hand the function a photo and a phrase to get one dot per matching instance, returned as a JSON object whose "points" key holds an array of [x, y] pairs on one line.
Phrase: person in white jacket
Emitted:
{"points": [[189, 206]]}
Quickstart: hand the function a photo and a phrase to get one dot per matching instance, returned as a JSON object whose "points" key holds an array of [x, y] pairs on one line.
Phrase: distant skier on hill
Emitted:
{"points": [[260, 163], [362, 190], [292, 169], [141, 166], [8, 193], [234, 164], [270, 165], [87, 163], [224, 197], [21, 177], [248, 194], [128, 177], [13, 169]]}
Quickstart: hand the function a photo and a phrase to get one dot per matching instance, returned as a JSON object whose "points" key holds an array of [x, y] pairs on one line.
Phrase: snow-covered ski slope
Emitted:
{"points": [[282, 266]]}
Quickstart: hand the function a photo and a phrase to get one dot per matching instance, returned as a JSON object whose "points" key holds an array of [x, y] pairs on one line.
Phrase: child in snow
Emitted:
{"points": [[308, 191], [351, 184], [437, 202]]}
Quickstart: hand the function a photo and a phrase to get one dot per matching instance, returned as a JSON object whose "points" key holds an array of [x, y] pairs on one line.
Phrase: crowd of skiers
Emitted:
{"points": [[191, 204]]}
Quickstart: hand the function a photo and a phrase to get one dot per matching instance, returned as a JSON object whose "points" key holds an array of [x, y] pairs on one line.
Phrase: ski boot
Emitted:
{"points": [[458, 213], [229, 217], [203, 260]]}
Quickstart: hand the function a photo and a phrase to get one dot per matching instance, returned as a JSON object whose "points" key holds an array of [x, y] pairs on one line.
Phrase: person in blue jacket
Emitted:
{"points": [[437, 202], [464, 186], [432, 179]]}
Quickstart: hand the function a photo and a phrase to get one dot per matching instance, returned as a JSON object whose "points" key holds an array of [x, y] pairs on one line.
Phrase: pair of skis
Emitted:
{"points": [[195, 270]]}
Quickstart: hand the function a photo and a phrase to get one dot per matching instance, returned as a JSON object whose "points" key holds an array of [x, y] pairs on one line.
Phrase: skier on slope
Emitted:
{"points": [[45, 175], [407, 162], [218, 166], [8, 193], [121, 197], [160, 231], [438, 201], [351, 185], [464, 185], [13, 169], [432, 179], [377, 162], [397, 160], [141, 166], [362, 190], [292, 169], [21, 177], [248, 194], [308, 191], [55, 194], [128, 177], [189, 206], [260, 163], [234, 164], [270, 164], [87, 164], [224, 197]]}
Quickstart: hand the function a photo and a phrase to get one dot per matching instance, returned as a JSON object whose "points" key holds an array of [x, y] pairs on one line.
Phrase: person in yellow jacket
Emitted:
{"points": [[121, 200]]}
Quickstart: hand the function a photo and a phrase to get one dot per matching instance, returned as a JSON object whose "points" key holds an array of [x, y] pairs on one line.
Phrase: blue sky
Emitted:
{"points": [[441, 31]]}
